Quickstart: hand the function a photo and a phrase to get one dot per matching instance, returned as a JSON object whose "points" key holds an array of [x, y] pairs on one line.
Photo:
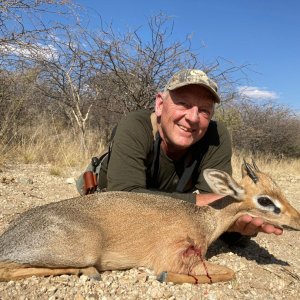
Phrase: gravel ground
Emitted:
{"points": [[268, 268]]}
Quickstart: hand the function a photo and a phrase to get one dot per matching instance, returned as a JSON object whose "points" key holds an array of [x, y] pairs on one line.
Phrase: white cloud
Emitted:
{"points": [[36, 51], [254, 92]]}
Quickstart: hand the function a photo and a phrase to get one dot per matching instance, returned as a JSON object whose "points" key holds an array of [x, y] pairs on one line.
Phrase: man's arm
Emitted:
{"points": [[132, 142]]}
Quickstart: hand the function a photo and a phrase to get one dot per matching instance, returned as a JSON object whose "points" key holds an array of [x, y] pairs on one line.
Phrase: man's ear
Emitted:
{"points": [[159, 104], [222, 183]]}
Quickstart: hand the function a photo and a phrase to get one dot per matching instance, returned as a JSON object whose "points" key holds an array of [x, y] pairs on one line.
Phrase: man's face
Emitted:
{"points": [[184, 116]]}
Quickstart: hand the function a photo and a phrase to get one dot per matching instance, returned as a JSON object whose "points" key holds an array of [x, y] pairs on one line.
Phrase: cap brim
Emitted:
{"points": [[217, 97]]}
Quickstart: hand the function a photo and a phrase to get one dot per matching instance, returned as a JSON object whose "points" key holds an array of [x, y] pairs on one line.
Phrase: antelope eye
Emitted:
{"points": [[265, 201]]}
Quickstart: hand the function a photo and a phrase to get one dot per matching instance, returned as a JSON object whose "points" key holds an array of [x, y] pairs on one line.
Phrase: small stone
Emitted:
{"points": [[155, 283], [70, 180], [167, 294], [151, 278], [52, 289], [43, 289], [212, 296], [11, 283], [141, 278], [64, 277], [26, 180], [78, 296], [187, 286], [156, 294], [84, 278]]}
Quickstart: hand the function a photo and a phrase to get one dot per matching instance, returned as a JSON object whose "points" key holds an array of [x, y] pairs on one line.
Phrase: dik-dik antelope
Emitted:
{"points": [[122, 230]]}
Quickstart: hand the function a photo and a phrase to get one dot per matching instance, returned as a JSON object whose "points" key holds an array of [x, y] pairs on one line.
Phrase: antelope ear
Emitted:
{"points": [[222, 183]]}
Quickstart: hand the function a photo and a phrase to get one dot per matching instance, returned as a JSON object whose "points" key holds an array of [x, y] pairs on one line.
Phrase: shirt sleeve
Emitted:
{"points": [[127, 166]]}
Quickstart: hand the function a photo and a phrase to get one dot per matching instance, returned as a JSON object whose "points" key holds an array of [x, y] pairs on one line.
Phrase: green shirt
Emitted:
{"points": [[132, 153]]}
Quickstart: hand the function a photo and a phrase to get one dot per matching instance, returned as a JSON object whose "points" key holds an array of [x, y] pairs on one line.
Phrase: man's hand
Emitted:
{"points": [[247, 225]]}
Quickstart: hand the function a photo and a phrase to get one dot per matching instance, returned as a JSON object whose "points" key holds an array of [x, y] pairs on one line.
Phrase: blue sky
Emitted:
{"points": [[261, 33]]}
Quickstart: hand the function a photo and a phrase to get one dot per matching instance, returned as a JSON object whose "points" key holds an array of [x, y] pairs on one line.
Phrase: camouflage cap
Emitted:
{"points": [[192, 76]]}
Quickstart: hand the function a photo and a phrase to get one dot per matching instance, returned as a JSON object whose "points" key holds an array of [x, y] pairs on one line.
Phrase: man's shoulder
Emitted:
{"points": [[217, 126], [137, 118], [140, 114], [136, 124], [216, 129]]}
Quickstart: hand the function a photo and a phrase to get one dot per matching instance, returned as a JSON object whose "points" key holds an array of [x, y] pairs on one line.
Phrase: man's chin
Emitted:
{"points": [[182, 145]]}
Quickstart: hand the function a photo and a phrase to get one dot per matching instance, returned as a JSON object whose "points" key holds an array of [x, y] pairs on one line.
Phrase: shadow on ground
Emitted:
{"points": [[250, 250]]}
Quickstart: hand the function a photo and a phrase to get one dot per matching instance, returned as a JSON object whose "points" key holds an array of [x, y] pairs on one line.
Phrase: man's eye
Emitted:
{"points": [[204, 112]]}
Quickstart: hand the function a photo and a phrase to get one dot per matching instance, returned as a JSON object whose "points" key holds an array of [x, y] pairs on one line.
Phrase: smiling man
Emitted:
{"points": [[183, 118], [166, 151]]}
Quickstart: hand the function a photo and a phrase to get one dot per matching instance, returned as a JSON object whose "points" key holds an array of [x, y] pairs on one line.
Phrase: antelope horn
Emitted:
{"points": [[255, 166], [250, 172]]}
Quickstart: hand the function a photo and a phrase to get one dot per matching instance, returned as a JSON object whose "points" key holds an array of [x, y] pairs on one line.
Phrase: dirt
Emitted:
{"points": [[267, 268]]}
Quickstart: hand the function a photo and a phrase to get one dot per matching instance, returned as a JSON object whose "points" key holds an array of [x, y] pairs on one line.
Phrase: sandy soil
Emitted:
{"points": [[268, 268]]}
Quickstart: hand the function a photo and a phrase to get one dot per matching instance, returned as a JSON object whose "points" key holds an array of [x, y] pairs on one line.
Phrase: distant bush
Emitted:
{"points": [[263, 128]]}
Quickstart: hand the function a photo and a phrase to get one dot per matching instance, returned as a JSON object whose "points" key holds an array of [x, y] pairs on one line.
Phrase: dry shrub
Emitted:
{"points": [[262, 127], [268, 129]]}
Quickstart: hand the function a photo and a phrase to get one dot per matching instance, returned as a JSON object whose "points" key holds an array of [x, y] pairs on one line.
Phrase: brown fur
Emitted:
{"points": [[121, 230]]}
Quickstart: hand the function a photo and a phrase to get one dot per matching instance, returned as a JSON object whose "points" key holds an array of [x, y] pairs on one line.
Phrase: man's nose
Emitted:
{"points": [[192, 114]]}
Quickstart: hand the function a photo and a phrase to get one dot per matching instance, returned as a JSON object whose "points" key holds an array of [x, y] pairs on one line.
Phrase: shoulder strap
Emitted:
{"points": [[155, 161], [154, 124], [186, 176], [195, 158], [156, 150]]}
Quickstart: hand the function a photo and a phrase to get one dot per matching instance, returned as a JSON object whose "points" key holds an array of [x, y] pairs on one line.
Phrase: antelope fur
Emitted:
{"points": [[122, 230]]}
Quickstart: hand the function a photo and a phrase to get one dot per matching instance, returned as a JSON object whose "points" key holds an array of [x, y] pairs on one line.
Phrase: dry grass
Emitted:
{"points": [[267, 163], [52, 144]]}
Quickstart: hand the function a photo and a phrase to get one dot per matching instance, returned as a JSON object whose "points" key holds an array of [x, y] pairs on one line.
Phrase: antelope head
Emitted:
{"points": [[258, 195]]}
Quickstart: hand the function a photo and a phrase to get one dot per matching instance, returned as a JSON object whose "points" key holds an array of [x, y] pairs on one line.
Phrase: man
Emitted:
{"points": [[166, 152]]}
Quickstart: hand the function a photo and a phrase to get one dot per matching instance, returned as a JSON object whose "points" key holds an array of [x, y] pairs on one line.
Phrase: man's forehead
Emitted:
{"points": [[194, 91]]}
